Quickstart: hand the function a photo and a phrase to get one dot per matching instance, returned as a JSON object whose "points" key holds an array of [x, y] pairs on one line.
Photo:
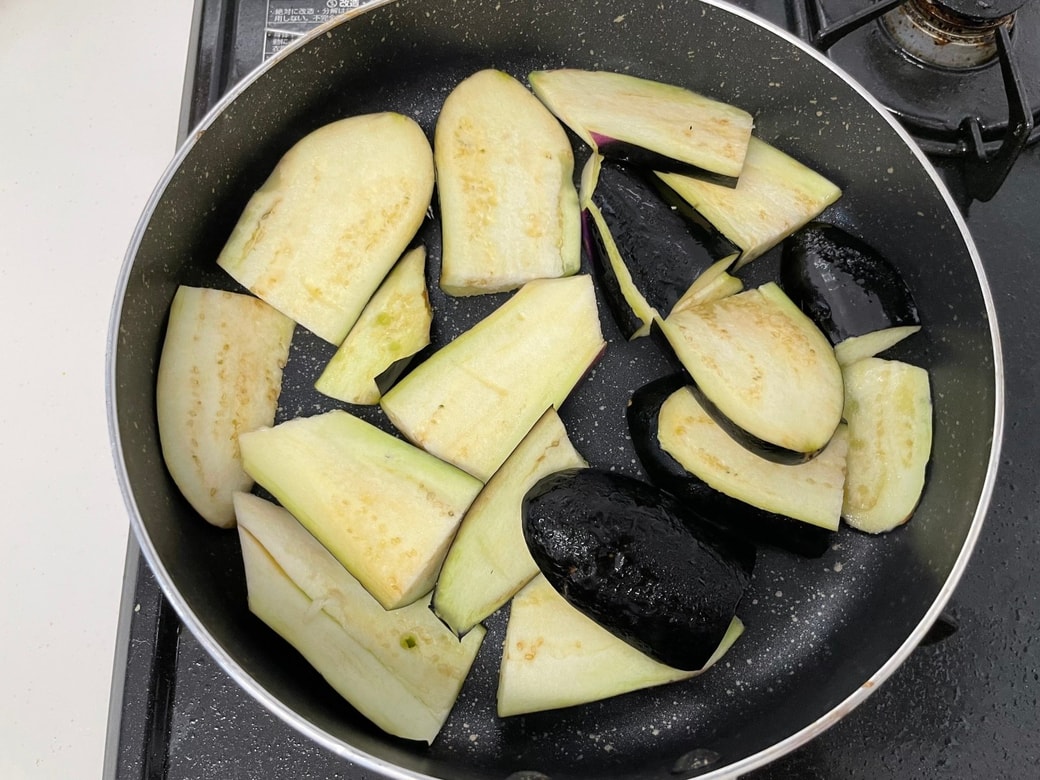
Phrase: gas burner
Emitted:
{"points": [[963, 76], [937, 33]]}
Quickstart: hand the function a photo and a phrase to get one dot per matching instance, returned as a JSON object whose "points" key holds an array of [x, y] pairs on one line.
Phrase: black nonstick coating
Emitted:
{"points": [[819, 632]]}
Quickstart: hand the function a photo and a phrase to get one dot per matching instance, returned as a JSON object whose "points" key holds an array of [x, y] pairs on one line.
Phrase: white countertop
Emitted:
{"points": [[90, 99]]}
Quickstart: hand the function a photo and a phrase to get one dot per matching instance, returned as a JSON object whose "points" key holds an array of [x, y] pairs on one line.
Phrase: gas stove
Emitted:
{"points": [[963, 76]]}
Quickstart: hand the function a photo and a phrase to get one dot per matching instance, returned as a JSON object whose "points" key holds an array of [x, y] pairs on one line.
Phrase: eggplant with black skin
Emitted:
{"points": [[636, 560], [850, 290], [647, 245], [733, 514]]}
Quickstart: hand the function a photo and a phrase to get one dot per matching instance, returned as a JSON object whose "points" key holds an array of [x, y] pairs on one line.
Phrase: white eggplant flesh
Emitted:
{"points": [[338, 210], [618, 111], [385, 509], [713, 284], [220, 373], [888, 406], [811, 492], [474, 400], [505, 184], [489, 562], [401, 669], [555, 656], [765, 367], [392, 328], [775, 196]]}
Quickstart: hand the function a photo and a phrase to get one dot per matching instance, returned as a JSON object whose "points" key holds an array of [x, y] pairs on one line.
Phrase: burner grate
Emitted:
{"points": [[984, 111]]}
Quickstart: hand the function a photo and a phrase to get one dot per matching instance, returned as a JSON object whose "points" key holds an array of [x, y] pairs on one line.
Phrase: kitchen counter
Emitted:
{"points": [[91, 96]]}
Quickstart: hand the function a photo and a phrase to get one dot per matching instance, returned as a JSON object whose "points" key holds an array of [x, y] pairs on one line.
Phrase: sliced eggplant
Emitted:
{"points": [[392, 328], [683, 450], [630, 311], [637, 561], [654, 125], [654, 249], [508, 205], [401, 669], [336, 213], [774, 197], [220, 373], [856, 296], [888, 406], [473, 400], [488, 561], [554, 656], [762, 369], [713, 284], [385, 509]]}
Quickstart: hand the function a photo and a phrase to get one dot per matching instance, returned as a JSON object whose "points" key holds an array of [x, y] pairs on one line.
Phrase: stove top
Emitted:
{"points": [[963, 706]]}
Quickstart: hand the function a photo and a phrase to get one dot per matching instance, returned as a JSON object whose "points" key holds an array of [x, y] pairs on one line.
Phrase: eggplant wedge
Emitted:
{"points": [[474, 400], [856, 296], [392, 328], [683, 450], [775, 196], [401, 669], [488, 561], [508, 205], [638, 561], [648, 123], [888, 406], [338, 210], [220, 373], [385, 509], [762, 369], [554, 656], [651, 247]]}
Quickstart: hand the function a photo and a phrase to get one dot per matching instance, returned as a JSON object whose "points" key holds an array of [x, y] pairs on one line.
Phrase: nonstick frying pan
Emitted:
{"points": [[821, 633]]}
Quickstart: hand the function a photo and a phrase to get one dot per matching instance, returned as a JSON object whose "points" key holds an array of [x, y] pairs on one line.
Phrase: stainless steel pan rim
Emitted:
{"points": [[377, 764]]}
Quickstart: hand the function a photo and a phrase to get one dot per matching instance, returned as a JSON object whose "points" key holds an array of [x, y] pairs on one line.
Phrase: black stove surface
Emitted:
{"points": [[963, 707]]}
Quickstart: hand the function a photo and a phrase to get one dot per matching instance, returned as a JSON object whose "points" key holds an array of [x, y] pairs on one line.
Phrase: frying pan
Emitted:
{"points": [[821, 634]]}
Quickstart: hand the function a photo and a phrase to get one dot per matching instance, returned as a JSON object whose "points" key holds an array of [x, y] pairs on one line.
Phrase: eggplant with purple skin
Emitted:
{"points": [[647, 245], [658, 126], [850, 290], [636, 560], [681, 449]]}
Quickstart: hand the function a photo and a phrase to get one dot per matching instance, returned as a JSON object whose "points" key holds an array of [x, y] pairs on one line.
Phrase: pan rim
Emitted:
{"points": [[368, 761]]}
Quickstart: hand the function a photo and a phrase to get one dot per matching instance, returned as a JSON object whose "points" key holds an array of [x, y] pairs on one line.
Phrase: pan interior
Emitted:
{"points": [[816, 629]]}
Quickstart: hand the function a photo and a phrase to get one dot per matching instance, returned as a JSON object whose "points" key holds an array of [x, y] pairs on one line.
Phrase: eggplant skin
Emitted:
{"points": [[731, 515], [843, 284], [634, 559], [664, 243]]}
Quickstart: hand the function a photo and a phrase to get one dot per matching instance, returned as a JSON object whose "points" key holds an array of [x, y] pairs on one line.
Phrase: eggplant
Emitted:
{"points": [[386, 510], [508, 204], [775, 196], [762, 369], [400, 668], [392, 328], [473, 401], [488, 561], [655, 125], [795, 508], [336, 213], [554, 656], [889, 409], [849, 289], [638, 561], [220, 374], [649, 241]]}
